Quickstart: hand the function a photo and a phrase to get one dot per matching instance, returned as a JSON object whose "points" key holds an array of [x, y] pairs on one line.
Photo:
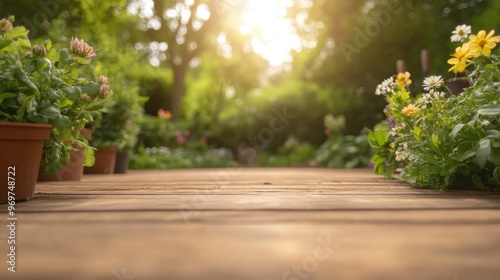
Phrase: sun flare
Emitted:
{"points": [[273, 35]]}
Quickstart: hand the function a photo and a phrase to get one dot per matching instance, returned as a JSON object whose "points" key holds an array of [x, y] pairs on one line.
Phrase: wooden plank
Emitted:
{"points": [[247, 217], [282, 201], [254, 224], [207, 251]]}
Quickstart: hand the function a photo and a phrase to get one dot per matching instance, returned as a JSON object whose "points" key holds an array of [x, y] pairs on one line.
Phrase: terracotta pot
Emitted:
{"points": [[457, 85], [121, 166], [105, 160], [74, 170], [21, 146], [71, 172]]}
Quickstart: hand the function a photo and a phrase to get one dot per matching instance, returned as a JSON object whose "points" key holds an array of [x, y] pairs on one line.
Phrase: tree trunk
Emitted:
{"points": [[178, 92]]}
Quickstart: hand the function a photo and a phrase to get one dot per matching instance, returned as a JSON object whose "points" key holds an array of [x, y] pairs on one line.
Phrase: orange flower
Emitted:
{"points": [[410, 110], [403, 79]]}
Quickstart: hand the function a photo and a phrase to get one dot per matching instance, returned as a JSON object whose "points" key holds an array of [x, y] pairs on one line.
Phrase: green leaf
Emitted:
{"points": [[26, 104], [48, 45], [435, 140], [466, 155], [489, 110], [382, 137], [61, 123], [89, 156], [72, 93], [483, 152], [494, 156], [21, 76], [456, 130], [50, 113], [4, 96], [417, 132]]}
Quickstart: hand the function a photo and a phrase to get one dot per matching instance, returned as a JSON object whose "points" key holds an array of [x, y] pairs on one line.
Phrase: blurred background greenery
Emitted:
{"points": [[253, 81]]}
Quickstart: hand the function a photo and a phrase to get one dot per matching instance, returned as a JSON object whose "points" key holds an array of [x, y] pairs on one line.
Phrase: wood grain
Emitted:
{"points": [[253, 224]]}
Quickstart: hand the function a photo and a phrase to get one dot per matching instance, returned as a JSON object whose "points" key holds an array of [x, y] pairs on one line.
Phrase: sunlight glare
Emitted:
{"points": [[273, 34]]}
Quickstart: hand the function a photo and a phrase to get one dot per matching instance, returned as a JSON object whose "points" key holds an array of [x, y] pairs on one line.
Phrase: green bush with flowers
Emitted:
{"points": [[440, 140], [43, 84]]}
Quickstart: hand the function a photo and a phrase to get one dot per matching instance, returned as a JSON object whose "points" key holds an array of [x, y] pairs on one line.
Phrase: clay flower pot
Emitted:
{"points": [[105, 160], [457, 85], [21, 146], [122, 159], [74, 170]]}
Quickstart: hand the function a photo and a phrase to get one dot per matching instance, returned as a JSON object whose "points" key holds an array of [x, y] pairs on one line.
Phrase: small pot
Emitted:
{"points": [[21, 146], [122, 159], [105, 160], [71, 172], [74, 170], [457, 85]]}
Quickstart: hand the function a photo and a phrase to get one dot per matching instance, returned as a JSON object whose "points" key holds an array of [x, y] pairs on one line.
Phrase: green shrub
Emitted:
{"points": [[166, 158], [344, 152]]}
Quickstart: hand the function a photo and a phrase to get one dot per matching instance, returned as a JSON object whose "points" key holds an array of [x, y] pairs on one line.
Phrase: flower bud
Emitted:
{"points": [[85, 97], [21, 98], [102, 80], [80, 48], [104, 91], [39, 51], [5, 25]]}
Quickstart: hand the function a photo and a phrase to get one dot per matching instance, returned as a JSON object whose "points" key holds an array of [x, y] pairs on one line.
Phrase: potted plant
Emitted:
{"points": [[116, 130], [42, 87], [440, 140]]}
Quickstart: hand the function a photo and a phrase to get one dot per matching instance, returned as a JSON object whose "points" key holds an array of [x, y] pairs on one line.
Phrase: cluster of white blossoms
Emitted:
{"points": [[432, 95], [402, 154], [387, 86]]}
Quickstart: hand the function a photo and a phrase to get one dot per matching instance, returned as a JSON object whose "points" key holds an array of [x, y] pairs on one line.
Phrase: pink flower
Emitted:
{"points": [[187, 132], [39, 50], [102, 80], [104, 91], [181, 139], [129, 122], [5, 25], [81, 49]]}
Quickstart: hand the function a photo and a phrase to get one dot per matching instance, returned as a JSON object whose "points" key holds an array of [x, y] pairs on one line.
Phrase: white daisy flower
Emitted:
{"points": [[433, 82], [461, 33]]}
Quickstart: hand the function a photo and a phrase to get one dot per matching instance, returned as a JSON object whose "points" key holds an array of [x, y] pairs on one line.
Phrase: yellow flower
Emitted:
{"points": [[460, 58], [403, 79], [410, 110], [482, 43]]}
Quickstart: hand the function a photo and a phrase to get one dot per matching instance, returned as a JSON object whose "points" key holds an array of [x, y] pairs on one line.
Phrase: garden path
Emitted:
{"points": [[253, 223]]}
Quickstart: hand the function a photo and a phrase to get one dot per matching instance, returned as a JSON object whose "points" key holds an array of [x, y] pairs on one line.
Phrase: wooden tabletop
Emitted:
{"points": [[216, 224]]}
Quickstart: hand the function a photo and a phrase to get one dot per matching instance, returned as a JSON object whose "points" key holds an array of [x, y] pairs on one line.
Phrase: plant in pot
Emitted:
{"points": [[41, 88], [115, 132]]}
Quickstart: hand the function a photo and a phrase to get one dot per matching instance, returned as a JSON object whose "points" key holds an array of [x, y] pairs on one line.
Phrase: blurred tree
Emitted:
{"points": [[185, 26]]}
